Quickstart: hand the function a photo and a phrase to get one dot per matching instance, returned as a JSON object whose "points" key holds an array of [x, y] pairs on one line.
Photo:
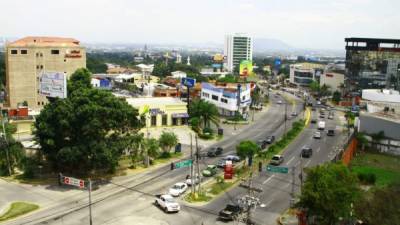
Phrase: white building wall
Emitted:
{"points": [[230, 48], [332, 80]]}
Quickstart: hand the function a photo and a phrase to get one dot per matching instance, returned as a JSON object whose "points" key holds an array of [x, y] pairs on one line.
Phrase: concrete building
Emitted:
{"points": [[303, 74], [381, 100], [333, 80], [162, 90], [226, 98], [238, 47], [30, 57], [178, 74], [163, 111], [372, 63]]}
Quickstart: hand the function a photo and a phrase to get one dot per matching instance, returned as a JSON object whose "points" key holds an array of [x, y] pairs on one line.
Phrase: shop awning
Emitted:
{"points": [[180, 115]]}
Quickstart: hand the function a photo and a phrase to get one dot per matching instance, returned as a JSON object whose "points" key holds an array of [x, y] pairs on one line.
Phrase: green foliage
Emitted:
{"points": [[205, 111], [85, 132], [366, 178], [229, 78], [382, 207], [314, 86], [153, 147], [14, 149], [167, 140], [95, 64], [247, 149], [2, 70], [328, 193], [18, 209], [219, 187], [336, 97]]}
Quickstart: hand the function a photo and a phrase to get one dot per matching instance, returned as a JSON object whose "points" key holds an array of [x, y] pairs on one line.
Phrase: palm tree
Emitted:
{"points": [[205, 111]]}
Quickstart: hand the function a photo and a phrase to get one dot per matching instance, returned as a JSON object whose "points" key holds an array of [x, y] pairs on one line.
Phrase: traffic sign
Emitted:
{"points": [[277, 169], [74, 182], [188, 82], [182, 164]]}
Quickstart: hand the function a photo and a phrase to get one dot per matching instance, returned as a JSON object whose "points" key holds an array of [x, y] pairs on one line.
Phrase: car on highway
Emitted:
{"points": [[270, 139], [178, 189], [230, 212], [330, 117], [210, 171], [317, 135], [322, 116], [294, 114], [167, 203], [313, 121], [331, 132], [233, 158], [276, 160], [221, 163], [279, 102], [214, 151], [196, 180], [306, 152]]}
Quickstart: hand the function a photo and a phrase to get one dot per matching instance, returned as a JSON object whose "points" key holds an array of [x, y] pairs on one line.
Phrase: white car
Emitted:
{"points": [[317, 135], [279, 102], [167, 203], [196, 180], [178, 189]]}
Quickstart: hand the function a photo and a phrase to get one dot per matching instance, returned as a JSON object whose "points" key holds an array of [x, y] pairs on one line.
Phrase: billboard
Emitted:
{"points": [[246, 68], [53, 84], [188, 82]]}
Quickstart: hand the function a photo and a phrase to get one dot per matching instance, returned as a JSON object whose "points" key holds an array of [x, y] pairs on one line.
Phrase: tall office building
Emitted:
{"points": [[29, 57], [238, 47], [372, 63]]}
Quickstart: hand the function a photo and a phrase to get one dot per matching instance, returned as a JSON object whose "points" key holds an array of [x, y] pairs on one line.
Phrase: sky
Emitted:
{"points": [[309, 24]]}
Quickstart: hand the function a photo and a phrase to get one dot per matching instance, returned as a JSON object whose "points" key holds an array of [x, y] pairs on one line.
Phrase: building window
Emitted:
{"points": [[206, 95], [174, 121], [37, 66], [214, 97], [153, 121], [164, 120], [41, 54], [24, 52], [244, 98], [38, 103], [55, 51], [14, 52], [41, 67], [37, 54], [224, 100]]}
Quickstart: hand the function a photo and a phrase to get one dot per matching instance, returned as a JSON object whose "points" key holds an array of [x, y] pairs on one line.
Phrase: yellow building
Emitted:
{"points": [[162, 111], [29, 57]]}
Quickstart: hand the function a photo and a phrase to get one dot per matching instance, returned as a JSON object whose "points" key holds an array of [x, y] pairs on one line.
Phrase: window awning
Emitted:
{"points": [[180, 115]]}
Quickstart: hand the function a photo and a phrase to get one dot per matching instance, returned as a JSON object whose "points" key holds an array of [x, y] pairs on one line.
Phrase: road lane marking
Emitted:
{"points": [[308, 163], [290, 160], [269, 178], [318, 149]]}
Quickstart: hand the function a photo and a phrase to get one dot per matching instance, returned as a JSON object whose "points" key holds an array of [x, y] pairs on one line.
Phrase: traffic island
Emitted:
{"points": [[289, 217], [18, 209]]}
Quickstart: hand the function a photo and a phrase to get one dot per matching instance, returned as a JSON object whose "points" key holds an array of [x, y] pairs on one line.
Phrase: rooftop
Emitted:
{"points": [[154, 101], [44, 42], [308, 66], [381, 95]]}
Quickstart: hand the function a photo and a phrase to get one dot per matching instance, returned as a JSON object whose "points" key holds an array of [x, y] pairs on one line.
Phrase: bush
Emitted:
{"points": [[367, 178], [29, 167], [165, 155], [208, 130]]}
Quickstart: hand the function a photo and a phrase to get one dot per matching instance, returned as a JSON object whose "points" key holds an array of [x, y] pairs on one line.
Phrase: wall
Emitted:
{"points": [[372, 125]]}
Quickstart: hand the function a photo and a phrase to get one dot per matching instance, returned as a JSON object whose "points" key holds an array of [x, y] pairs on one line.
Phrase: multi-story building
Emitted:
{"points": [[28, 58], [334, 80], [303, 74], [238, 47], [226, 98], [372, 63]]}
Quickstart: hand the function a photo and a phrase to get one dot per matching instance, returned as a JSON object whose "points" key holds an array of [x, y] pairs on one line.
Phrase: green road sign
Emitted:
{"points": [[277, 169], [182, 164]]}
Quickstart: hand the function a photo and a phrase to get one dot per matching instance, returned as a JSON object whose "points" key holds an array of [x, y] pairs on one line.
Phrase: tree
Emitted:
{"points": [[11, 151], [314, 86], [85, 132], [247, 149], [167, 140], [336, 97], [153, 147], [382, 207], [328, 193], [205, 111]]}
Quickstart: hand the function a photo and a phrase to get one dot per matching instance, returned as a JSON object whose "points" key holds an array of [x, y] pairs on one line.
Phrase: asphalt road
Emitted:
{"points": [[133, 198]]}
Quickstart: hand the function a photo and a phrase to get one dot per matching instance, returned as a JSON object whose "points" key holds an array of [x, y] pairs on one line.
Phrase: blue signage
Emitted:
{"points": [[277, 62], [188, 82]]}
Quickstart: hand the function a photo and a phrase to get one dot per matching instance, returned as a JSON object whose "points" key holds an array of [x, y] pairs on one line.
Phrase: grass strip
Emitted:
{"points": [[17, 209]]}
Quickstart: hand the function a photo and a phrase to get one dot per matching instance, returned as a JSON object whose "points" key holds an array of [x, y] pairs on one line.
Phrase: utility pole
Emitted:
{"points": [[293, 183], [191, 167], [197, 162], [90, 202], [285, 118], [6, 141]]}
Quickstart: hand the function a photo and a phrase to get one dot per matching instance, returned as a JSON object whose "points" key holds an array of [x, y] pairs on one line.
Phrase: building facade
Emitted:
{"points": [[333, 80], [28, 58], [238, 47], [303, 74], [372, 63], [161, 111], [226, 98]]}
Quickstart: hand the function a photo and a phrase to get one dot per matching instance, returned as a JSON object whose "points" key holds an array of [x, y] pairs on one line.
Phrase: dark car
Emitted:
{"points": [[313, 121], [306, 152], [230, 212], [221, 163], [212, 152], [270, 139], [331, 132], [262, 144]]}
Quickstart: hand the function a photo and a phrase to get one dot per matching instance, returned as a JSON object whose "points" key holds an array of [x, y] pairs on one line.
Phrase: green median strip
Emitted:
{"points": [[17, 209]]}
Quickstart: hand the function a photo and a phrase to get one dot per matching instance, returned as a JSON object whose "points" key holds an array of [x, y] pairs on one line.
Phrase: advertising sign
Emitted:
{"points": [[246, 68], [228, 170], [74, 182], [53, 85], [188, 82]]}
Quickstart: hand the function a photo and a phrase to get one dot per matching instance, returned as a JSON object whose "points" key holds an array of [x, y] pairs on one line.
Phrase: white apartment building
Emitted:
{"points": [[226, 98], [303, 74], [238, 47]]}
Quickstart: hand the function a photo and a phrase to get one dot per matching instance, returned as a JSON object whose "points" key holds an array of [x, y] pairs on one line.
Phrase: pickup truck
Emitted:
{"points": [[167, 203], [230, 212]]}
